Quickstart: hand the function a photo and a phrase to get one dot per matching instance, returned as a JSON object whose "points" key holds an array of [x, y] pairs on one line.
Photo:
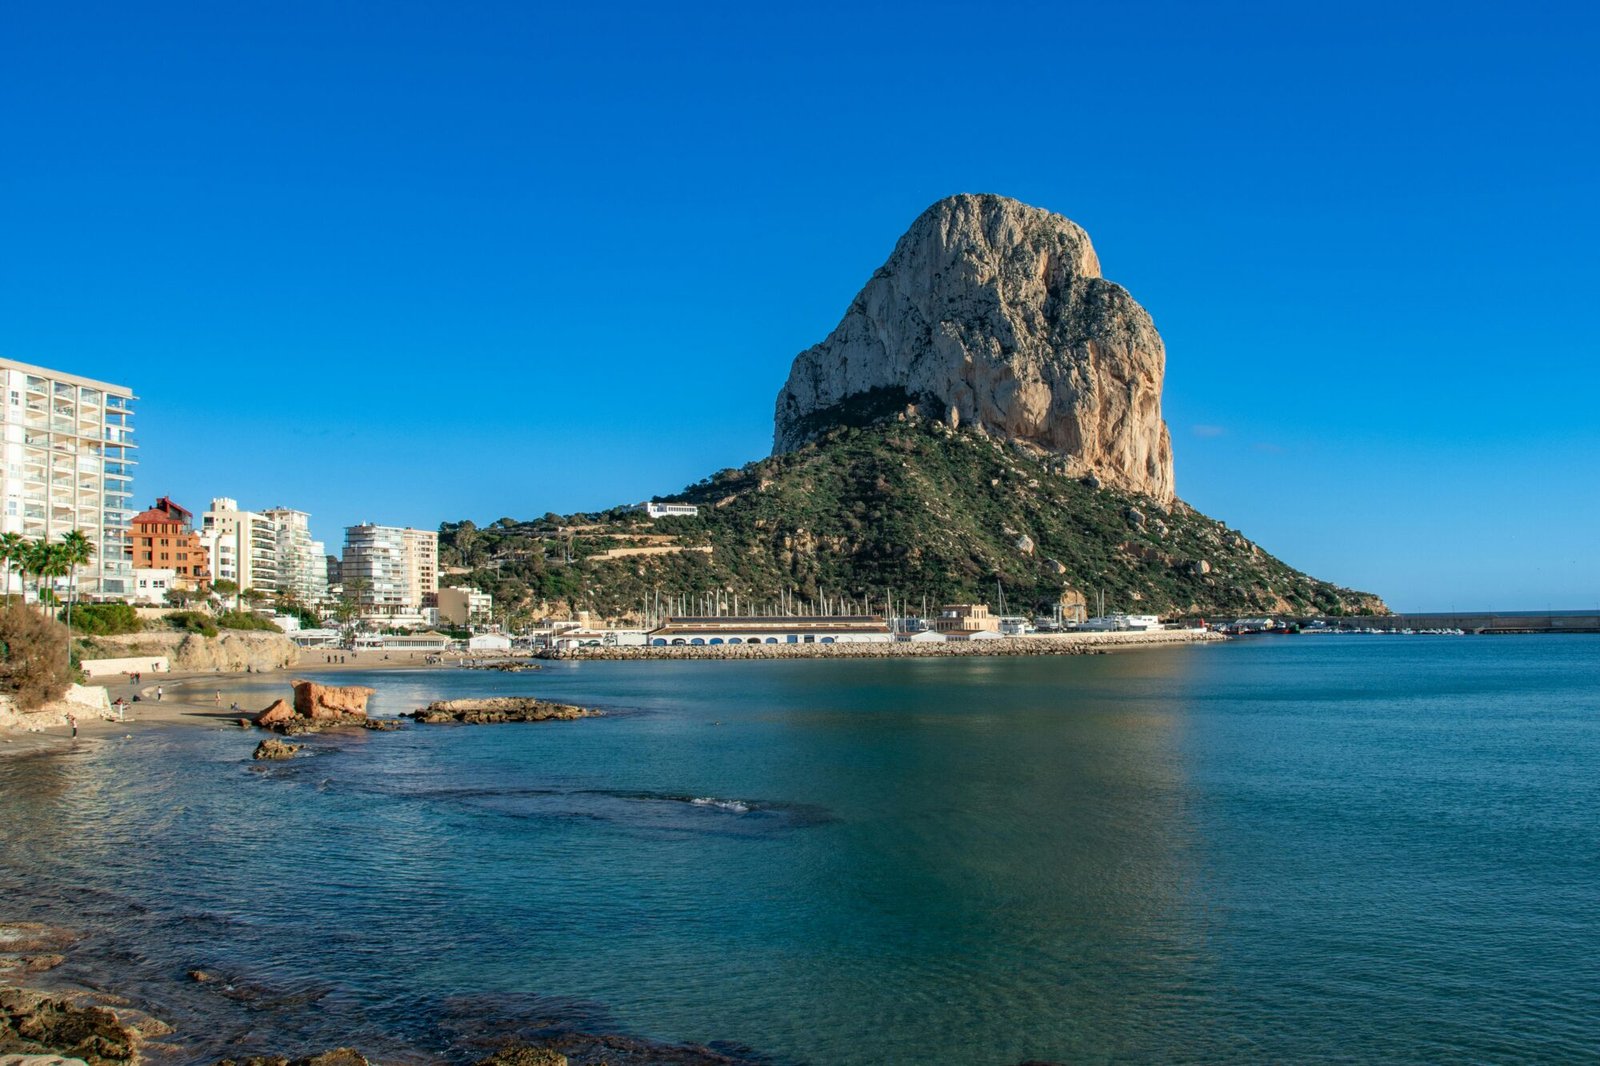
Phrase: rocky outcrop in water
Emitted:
{"points": [[275, 749], [315, 700], [497, 709], [318, 707], [994, 313]]}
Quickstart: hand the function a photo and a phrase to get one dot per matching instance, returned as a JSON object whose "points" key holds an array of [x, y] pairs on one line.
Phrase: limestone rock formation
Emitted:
{"points": [[994, 313], [314, 700], [279, 711]]}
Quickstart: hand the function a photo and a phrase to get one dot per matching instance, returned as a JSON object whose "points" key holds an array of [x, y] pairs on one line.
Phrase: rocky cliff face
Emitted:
{"points": [[993, 313]]}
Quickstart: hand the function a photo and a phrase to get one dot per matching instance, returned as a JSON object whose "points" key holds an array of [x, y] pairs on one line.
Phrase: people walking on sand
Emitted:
{"points": [[158, 693], [218, 698], [72, 720]]}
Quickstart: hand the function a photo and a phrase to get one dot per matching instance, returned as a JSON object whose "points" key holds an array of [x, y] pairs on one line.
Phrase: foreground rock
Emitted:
{"points": [[994, 313], [275, 749], [499, 709], [36, 1023]]}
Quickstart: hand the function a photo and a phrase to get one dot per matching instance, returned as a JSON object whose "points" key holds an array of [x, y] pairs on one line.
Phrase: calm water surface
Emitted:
{"points": [[1304, 849]]}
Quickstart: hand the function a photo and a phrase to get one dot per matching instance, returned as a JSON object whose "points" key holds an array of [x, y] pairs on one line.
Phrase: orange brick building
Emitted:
{"points": [[164, 539]]}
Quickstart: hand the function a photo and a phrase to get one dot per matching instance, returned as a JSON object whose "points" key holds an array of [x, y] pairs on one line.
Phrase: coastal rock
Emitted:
{"points": [[314, 700], [497, 709], [275, 749], [280, 711], [36, 1023], [343, 1056], [524, 1056], [993, 313]]}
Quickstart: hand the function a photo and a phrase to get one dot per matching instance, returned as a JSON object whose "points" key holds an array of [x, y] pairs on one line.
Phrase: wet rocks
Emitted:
{"points": [[524, 1056], [496, 709], [36, 1023], [342, 1056], [275, 749]]}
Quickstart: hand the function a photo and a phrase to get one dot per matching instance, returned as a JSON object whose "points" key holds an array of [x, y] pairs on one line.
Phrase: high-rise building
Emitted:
{"points": [[302, 568], [69, 465], [422, 565], [390, 570], [243, 545]]}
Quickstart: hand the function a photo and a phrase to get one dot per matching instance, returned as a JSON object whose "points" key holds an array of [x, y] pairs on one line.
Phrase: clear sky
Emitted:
{"points": [[410, 262]]}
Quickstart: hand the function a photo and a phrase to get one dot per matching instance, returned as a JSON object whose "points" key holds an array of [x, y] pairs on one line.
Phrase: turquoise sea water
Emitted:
{"points": [[1306, 849]]}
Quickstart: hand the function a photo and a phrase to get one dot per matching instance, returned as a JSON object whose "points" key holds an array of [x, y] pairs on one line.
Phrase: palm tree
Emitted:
{"points": [[52, 561], [30, 558], [76, 550], [11, 548]]}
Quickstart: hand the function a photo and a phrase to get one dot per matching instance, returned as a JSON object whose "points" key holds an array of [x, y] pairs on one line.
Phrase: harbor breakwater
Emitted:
{"points": [[1043, 644]]}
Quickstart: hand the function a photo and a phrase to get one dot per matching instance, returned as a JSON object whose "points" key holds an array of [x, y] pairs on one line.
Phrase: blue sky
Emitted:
{"points": [[418, 262]]}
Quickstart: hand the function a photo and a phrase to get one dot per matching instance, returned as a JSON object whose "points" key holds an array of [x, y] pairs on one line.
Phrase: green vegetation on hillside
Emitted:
{"points": [[905, 506]]}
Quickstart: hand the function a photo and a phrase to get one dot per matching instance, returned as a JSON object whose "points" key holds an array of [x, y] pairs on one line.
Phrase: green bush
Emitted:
{"points": [[35, 668], [192, 622], [103, 619], [246, 620]]}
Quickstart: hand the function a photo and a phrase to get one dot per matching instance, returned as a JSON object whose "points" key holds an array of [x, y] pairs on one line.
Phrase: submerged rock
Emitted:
{"points": [[524, 1056], [342, 1056]]}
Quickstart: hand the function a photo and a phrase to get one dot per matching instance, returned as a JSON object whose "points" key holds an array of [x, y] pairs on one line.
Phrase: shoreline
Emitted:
{"points": [[184, 693], [1002, 647]]}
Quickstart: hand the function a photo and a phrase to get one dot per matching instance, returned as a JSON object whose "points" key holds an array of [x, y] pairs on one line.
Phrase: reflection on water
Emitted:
{"points": [[1211, 854]]}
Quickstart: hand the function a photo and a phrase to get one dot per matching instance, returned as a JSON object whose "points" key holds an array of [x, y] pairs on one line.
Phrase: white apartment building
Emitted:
{"points": [[269, 550], [68, 465], [243, 545], [389, 569], [301, 561]]}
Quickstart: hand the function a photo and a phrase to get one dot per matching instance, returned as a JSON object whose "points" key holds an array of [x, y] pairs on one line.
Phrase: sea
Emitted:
{"points": [[1358, 849]]}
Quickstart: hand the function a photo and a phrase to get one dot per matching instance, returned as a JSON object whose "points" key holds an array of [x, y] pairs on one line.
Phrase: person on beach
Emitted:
{"points": [[218, 699], [158, 693], [72, 720]]}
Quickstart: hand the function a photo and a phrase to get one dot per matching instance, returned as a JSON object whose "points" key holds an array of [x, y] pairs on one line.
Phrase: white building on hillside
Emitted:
{"points": [[667, 510], [68, 445]]}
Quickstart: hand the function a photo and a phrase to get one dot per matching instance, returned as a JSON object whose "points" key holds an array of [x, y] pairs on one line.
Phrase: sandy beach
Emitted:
{"points": [[198, 698]]}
